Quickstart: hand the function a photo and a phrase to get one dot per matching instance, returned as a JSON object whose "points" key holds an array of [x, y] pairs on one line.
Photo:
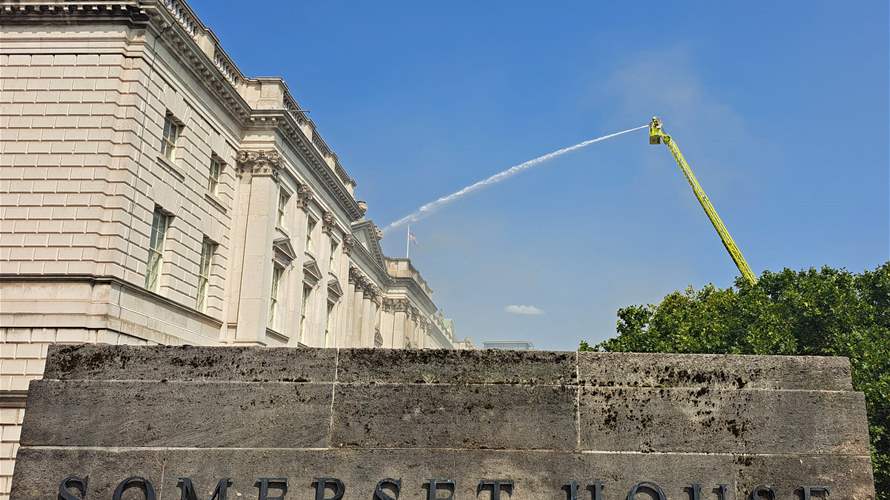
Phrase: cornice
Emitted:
{"points": [[177, 25], [13, 398], [94, 279], [287, 124], [373, 235], [416, 291], [126, 11], [365, 260]]}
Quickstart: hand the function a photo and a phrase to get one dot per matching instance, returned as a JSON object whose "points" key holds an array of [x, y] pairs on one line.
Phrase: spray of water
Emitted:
{"points": [[431, 207]]}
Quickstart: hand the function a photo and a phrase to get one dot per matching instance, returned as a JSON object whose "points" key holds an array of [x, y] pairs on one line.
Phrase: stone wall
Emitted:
{"points": [[22, 357], [538, 419]]}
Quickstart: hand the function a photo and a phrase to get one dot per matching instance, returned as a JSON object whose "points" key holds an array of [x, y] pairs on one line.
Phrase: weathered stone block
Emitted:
{"points": [[236, 364], [723, 421], [199, 414], [392, 366], [163, 413], [447, 416], [714, 370]]}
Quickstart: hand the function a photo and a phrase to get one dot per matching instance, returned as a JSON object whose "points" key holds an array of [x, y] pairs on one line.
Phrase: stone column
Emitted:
{"points": [[357, 310], [375, 322], [369, 313], [386, 321], [348, 313], [411, 326], [344, 316], [399, 321], [304, 198], [423, 334], [260, 170]]}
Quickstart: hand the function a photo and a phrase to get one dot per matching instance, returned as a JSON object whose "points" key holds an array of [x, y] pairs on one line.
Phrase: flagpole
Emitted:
{"points": [[408, 243]]}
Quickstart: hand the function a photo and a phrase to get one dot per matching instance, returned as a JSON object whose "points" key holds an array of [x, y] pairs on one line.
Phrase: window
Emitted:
{"points": [[327, 324], [307, 292], [277, 271], [216, 166], [208, 249], [160, 222], [282, 205], [172, 129], [333, 257], [310, 228]]}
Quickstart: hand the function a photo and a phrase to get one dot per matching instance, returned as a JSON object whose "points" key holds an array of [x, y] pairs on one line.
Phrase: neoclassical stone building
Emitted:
{"points": [[152, 193]]}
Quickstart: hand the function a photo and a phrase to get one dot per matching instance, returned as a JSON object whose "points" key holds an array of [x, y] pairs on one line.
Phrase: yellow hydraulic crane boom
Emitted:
{"points": [[658, 136]]}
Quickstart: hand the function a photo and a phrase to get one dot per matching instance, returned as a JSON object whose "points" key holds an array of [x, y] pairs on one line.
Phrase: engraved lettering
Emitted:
{"points": [[148, 491], [596, 490], [276, 483], [571, 490], [695, 491], [762, 490], [393, 485], [78, 483], [647, 486], [323, 484], [496, 485], [188, 489], [808, 491], [432, 492]]}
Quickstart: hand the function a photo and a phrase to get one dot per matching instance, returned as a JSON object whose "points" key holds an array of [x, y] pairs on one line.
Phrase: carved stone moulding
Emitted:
{"points": [[389, 305], [304, 196], [328, 222], [354, 276], [378, 233], [348, 243], [259, 163], [373, 293], [400, 305]]}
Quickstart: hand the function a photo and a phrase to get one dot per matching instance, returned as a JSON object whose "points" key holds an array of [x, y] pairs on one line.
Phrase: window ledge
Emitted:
{"points": [[276, 335], [170, 167], [213, 200]]}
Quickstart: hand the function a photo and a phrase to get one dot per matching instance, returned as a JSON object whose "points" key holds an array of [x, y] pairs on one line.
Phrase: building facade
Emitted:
{"points": [[152, 193]]}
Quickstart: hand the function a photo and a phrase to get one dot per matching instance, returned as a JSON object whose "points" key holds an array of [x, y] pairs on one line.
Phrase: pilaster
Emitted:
{"points": [[399, 323], [386, 321], [259, 173]]}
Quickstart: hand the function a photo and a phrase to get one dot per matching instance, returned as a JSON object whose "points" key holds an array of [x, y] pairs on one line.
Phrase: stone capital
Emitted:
{"points": [[400, 305], [259, 163], [355, 277], [371, 290]]}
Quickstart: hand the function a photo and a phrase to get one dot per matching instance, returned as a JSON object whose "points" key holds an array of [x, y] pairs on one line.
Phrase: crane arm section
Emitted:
{"points": [[656, 136]]}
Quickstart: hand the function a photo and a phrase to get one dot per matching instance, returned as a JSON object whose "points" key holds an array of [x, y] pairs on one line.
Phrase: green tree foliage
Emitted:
{"points": [[826, 312]]}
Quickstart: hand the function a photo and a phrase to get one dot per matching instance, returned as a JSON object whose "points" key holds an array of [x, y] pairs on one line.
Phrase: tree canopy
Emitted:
{"points": [[825, 312]]}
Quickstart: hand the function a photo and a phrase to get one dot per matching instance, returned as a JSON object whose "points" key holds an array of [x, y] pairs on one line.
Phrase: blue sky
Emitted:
{"points": [[780, 107]]}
